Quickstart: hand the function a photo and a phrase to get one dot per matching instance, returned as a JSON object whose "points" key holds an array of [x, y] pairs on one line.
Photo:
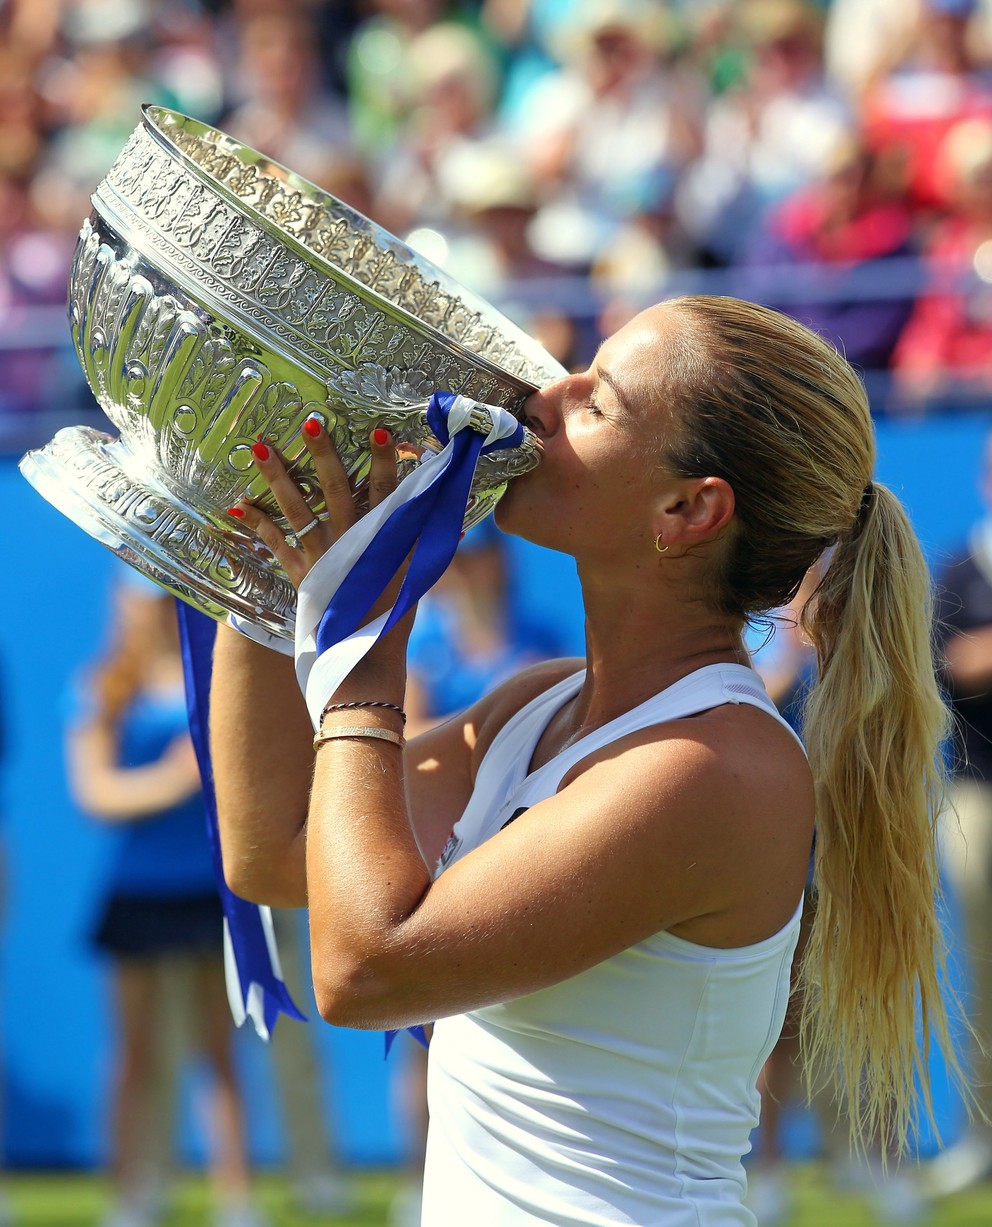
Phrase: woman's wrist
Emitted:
{"points": [[349, 707]]}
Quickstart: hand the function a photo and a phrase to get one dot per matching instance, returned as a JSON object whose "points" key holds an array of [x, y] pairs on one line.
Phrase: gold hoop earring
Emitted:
{"points": [[662, 549]]}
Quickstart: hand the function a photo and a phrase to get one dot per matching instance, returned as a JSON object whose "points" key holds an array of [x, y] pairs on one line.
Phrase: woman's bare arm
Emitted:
{"points": [[696, 827], [262, 754]]}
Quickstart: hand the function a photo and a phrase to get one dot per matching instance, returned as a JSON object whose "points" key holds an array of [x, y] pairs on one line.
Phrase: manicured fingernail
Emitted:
{"points": [[380, 436], [260, 450], [312, 427], [237, 512]]}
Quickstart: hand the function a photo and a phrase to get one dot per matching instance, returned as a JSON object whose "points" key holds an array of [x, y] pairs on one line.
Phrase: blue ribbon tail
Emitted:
{"points": [[418, 1033], [256, 971]]}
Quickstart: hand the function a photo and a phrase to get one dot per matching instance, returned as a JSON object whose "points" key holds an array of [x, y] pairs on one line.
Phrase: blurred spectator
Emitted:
{"points": [[281, 107], [93, 86], [35, 255], [380, 93], [494, 201], [6, 1216], [715, 43], [864, 38], [185, 58], [767, 136], [634, 268], [946, 346], [453, 82], [132, 766], [964, 621], [33, 25], [317, 1184], [528, 34], [929, 88], [854, 214], [609, 130]]}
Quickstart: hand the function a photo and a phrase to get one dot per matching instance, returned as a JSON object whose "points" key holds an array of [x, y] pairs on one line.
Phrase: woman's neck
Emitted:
{"points": [[637, 645]]}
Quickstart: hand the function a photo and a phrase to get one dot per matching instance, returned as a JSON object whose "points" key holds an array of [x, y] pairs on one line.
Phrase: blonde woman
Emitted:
{"points": [[593, 878]]}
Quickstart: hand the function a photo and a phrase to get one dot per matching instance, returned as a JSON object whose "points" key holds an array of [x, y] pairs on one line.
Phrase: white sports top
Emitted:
{"points": [[625, 1094]]}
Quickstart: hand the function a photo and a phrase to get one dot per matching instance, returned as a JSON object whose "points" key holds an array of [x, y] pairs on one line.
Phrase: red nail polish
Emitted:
{"points": [[260, 450], [236, 511], [312, 427], [380, 436]]}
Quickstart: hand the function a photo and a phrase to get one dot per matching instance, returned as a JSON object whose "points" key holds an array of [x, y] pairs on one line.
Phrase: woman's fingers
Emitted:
{"points": [[334, 483], [312, 536], [291, 558], [383, 477], [287, 493]]}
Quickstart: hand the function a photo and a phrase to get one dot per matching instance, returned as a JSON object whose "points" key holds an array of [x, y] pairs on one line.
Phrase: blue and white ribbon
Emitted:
{"points": [[422, 517], [255, 987]]}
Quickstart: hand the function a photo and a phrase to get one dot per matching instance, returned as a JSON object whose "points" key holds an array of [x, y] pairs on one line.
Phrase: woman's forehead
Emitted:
{"points": [[637, 351]]}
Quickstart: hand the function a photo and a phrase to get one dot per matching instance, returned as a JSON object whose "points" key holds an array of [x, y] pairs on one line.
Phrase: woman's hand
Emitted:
{"points": [[297, 554]]}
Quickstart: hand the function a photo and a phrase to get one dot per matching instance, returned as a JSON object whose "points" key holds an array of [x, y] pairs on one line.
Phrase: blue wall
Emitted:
{"points": [[56, 1023]]}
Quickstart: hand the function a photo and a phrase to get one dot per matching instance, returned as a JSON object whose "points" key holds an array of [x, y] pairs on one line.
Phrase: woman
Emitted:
{"points": [[624, 840], [131, 765]]}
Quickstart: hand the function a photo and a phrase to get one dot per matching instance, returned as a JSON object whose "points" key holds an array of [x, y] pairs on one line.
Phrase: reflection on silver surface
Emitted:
{"points": [[217, 298]]}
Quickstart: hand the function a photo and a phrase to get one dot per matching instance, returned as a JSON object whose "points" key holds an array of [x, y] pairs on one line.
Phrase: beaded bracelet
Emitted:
{"points": [[330, 706], [372, 731]]}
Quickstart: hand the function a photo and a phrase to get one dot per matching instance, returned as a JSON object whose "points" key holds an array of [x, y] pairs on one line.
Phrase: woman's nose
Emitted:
{"points": [[542, 411]]}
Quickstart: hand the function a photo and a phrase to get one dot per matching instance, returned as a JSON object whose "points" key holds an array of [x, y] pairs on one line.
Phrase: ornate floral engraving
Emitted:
{"points": [[202, 326]]}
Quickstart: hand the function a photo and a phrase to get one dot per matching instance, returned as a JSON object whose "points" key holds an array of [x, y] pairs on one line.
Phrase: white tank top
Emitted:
{"points": [[625, 1094]]}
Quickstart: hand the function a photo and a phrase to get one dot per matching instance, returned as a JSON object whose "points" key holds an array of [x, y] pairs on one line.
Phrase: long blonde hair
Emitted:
{"points": [[766, 404]]}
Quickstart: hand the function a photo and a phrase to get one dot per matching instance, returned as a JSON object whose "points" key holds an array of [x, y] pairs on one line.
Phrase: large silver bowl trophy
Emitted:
{"points": [[216, 298]]}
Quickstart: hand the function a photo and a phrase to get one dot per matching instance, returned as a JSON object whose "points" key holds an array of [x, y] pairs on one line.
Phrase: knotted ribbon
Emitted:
{"points": [[422, 518]]}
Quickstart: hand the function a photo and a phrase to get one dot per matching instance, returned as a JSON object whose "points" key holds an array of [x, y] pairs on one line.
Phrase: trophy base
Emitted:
{"points": [[107, 490]]}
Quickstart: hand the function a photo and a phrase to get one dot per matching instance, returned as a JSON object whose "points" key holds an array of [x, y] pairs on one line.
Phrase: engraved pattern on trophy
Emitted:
{"points": [[177, 383], [155, 534], [216, 298]]}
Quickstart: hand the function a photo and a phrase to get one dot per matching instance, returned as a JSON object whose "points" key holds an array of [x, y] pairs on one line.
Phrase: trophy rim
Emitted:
{"points": [[47, 470], [532, 350]]}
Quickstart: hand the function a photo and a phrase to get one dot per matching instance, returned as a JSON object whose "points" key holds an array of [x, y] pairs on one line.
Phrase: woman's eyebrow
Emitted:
{"points": [[615, 387]]}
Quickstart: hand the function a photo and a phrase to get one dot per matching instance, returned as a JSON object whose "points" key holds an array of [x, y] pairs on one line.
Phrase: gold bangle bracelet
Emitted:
{"points": [[364, 730]]}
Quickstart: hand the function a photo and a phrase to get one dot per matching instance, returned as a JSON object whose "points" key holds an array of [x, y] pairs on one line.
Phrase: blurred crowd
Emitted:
{"points": [[569, 159]]}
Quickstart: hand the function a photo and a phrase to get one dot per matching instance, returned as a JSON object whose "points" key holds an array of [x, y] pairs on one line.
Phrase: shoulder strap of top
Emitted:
{"points": [[711, 686], [514, 744]]}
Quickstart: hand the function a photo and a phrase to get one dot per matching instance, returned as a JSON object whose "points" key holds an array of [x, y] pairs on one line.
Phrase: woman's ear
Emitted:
{"points": [[696, 512]]}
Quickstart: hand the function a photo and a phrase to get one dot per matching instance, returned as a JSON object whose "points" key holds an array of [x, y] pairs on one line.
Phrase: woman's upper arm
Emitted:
{"points": [[653, 834], [262, 755], [91, 753]]}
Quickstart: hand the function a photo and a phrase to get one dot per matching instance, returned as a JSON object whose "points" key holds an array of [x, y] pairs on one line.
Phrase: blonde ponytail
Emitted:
{"points": [[872, 727], [776, 411]]}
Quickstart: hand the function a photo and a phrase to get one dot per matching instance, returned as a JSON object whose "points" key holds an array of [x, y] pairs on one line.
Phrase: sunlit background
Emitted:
{"points": [[571, 161]]}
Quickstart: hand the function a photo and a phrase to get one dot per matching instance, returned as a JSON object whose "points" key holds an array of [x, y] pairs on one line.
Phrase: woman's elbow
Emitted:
{"points": [[258, 883], [349, 993]]}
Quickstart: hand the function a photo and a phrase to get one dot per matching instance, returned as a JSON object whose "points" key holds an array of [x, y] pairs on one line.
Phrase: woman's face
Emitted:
{"points": [[600, 476]]}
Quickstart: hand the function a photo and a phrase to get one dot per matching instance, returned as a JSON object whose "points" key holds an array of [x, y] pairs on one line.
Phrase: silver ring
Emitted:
{"points": [[307, 528]]}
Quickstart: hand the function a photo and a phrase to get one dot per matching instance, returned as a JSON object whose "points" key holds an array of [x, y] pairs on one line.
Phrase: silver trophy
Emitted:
{"points": [[217, 298]]}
